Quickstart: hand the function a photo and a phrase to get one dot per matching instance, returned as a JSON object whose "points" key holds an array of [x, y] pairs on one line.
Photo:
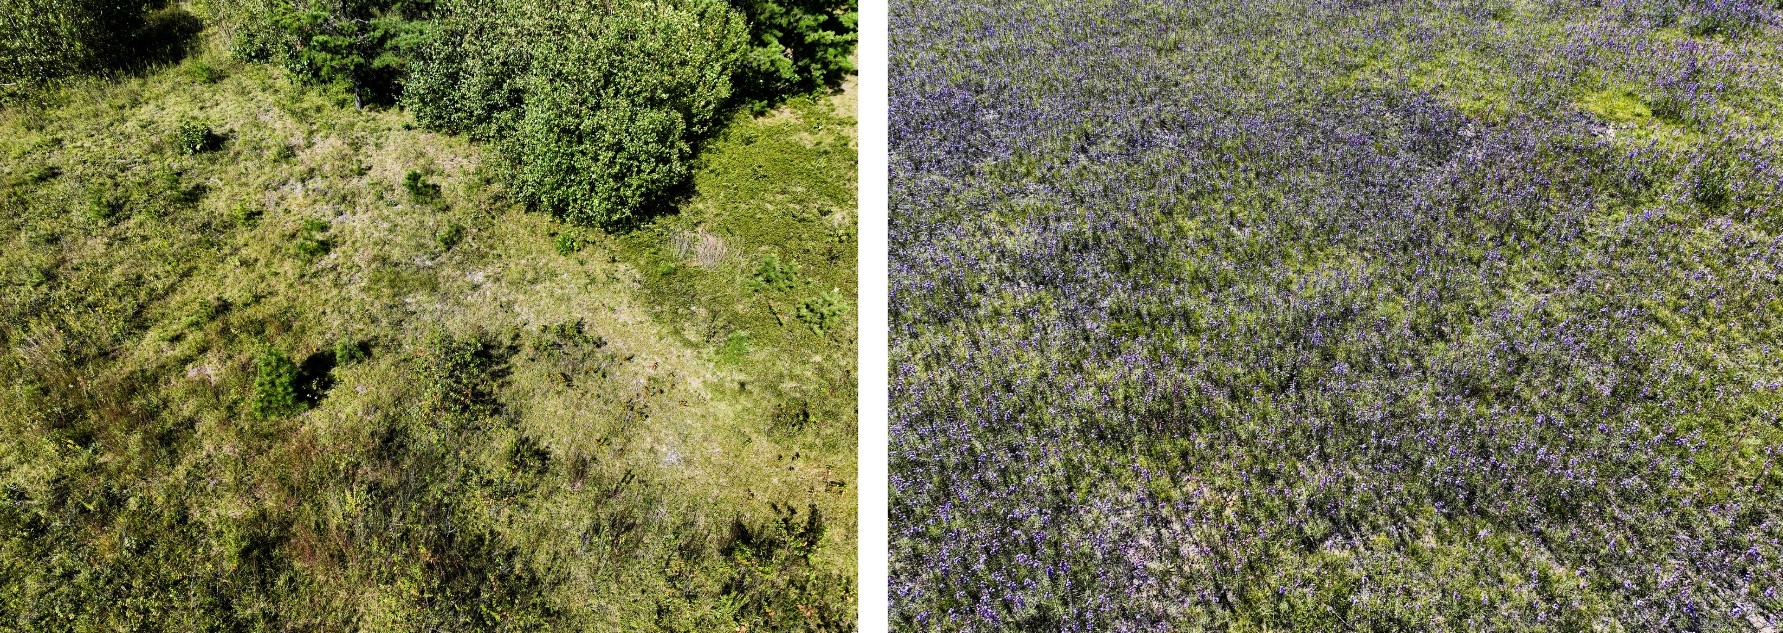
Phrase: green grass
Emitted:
{"points": [[1620, 106], [491, 426]]}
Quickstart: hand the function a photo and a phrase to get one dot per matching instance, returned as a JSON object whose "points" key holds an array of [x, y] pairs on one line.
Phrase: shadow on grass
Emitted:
{"points": [[136, 44], [315, 376]]}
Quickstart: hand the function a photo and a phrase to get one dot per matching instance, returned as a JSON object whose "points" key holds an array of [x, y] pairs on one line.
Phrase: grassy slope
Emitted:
{"points": [[624, 469]]}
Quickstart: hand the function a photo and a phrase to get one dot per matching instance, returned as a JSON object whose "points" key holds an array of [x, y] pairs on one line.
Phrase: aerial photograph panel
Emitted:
{"points": [[428, 315], [1336, 315]]}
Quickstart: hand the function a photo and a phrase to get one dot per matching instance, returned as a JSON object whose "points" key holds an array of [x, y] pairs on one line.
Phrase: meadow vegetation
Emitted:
{"points": [[280, 353], [1295, 315]]}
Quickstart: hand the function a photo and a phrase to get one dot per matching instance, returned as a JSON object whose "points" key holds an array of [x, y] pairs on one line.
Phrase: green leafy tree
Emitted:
{"points": [[597, 107]]}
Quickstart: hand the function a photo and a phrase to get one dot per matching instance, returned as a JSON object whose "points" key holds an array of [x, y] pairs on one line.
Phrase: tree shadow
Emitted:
{"points": [[142, 42], [315, 376]]}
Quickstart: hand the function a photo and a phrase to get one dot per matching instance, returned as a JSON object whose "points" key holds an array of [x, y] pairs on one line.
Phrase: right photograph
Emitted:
{"points": [[1295, 315]]}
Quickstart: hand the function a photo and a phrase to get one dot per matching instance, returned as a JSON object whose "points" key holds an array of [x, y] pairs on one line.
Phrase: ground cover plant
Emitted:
{"points": [[1295, 315], [276, 358]]}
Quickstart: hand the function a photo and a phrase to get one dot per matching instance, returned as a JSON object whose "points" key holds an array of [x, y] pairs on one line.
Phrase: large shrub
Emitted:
{"points": [[470, 78], [597, 107], [614, 106], [39, 39]]}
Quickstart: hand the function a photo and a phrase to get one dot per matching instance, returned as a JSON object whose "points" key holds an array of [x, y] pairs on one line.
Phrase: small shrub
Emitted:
{"points": [[165, 190], [192, 137], [450, 236], [735, 348], [772, 273], [275, 385], [246, 214], [822, 312], [203, 311], [462, 375], [419, 188], [309, 244], [348, 350], [568, 242], [102, 207], [1709, 184], [204, 73]]}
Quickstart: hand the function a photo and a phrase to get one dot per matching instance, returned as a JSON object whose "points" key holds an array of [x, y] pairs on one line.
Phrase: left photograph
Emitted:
{"points": [[428, 315]]}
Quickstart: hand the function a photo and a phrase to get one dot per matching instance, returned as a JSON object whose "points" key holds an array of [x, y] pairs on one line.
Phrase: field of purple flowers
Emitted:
{"points": [[1337, 315]]}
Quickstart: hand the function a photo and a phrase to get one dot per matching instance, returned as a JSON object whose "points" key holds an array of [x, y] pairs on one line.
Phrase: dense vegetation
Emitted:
{"points": [[1454, 315], [270, 360], [591, 128], [42, 40]]}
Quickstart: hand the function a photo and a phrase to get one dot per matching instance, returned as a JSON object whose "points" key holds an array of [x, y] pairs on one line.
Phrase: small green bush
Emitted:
{"points": [[419, 187], [735, 348], [771, 273], [462, 375], [275, 385], [450, 236], [310, 244], [192, 137], [348, 350], [204, 73], [102, 206], [568, 242], [823, 312], [246, 213]]}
